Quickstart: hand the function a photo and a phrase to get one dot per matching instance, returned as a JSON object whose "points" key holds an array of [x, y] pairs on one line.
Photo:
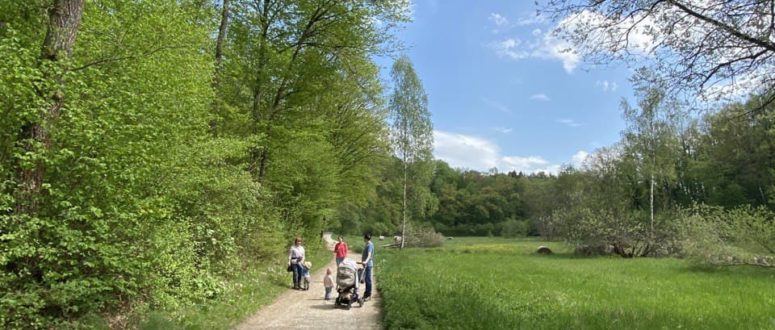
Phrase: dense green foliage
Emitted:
{"points": [[459, 202], [167, 169], [491, 283], [477, 204]]}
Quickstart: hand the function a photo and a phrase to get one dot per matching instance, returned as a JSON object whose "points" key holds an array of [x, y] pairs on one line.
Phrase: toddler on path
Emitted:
{"points": [[328, 283]]}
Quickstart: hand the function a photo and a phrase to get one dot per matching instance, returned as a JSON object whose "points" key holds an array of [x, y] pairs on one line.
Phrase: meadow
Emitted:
{"points": [[494, 283]]}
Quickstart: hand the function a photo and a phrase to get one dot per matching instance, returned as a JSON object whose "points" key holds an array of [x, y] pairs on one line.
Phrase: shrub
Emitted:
{"points": [[715, 236], [627, 233], [422, 235], [515, 228]]}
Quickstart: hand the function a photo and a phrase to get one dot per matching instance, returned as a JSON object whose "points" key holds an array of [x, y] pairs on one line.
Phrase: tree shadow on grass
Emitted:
{"points": [[571, 256], [747, 271]]}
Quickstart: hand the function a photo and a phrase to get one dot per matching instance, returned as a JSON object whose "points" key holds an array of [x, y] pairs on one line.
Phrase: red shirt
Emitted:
{"points": [[340, 249]]}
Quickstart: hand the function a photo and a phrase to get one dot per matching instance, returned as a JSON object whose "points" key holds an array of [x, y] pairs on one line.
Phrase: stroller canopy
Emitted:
{"points": [[347, 274]]}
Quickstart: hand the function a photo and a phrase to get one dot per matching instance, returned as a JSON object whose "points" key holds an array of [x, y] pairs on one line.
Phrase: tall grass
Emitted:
{"points": [[501, 284]]}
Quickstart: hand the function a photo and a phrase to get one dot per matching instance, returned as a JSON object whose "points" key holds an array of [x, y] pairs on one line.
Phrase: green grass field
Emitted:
{"points": [[492, 283]]}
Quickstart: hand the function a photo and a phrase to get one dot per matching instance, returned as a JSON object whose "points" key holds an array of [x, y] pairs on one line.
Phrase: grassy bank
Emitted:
{"points": [[256, 286], [501, 284]]}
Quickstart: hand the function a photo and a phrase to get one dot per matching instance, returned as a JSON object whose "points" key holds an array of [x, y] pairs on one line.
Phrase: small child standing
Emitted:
{"points": [[328, 283], [305, 271]]}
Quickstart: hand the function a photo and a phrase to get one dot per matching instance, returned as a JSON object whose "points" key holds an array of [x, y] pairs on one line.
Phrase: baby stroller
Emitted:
{"points": [[347, 277]]}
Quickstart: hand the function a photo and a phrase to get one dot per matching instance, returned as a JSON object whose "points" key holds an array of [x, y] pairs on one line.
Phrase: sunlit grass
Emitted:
{"points": [[493, 283]]}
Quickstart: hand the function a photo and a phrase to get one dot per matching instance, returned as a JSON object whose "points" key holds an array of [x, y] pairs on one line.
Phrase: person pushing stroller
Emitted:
{"points": [[367, 260]]}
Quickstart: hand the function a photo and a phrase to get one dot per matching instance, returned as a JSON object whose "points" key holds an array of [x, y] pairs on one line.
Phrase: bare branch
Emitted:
{"points": [[729, 29]]}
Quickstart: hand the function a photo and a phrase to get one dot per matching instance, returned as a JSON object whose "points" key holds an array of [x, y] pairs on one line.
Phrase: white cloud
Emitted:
{"points": [[503, 130], [496, 105], [510, 48], [465, 151], [531, 19], [554, 45], [555, 48], [530, 164], [569, 122], [579, 159], [503, 23], [499, 20], [540, 97], [544, 46], [476, 153], [607, 86]]}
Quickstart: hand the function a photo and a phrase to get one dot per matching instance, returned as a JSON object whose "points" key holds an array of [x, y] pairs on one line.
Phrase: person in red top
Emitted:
{"points": [[341, 250]]}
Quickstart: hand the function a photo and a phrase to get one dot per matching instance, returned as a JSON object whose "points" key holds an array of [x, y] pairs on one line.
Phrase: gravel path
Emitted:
{"points": [[307, 309]]}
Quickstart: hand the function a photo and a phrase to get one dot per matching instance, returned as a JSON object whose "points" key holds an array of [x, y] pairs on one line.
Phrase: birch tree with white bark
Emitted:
{"points": [[412, 130]]}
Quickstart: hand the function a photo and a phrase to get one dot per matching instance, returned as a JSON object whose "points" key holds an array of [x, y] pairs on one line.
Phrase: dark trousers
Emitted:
{"points": [[367, 279], [297, 274]]}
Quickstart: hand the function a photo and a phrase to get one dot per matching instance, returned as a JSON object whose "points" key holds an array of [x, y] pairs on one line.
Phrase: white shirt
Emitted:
{"points": [[296, 253]]}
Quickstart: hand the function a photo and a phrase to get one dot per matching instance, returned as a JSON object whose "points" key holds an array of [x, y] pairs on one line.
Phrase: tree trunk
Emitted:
{"points": [[403, 210], [761, 193], [222, 31], [259, 155], [651, 204], [63, 23], [262, 163]]}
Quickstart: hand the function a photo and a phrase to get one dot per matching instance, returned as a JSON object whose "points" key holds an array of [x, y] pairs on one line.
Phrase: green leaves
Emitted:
{"points": [[142, 206]]}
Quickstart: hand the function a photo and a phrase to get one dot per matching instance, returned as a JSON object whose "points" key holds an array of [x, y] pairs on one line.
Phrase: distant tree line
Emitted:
{"points": [[675, 184]]}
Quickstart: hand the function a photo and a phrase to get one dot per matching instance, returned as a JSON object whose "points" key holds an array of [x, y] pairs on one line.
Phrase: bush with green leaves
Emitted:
{"points": [[515, 228], [716, 236], [422, 235]]}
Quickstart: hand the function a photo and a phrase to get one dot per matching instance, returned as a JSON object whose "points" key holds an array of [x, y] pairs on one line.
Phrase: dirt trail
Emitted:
{"points": [[307, 309]]}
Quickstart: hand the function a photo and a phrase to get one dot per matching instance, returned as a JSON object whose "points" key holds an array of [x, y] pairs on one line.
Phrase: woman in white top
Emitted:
{"points": [[295, 258]]}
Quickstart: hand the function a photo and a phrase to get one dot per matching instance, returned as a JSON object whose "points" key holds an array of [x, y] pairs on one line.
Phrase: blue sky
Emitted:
{"points": [[502, 93]]}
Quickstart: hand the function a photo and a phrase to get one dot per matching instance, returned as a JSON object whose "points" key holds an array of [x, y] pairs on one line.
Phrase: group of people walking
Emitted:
{"points": [[300, 266]]}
